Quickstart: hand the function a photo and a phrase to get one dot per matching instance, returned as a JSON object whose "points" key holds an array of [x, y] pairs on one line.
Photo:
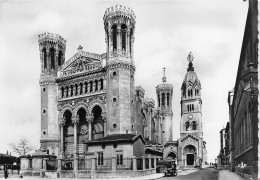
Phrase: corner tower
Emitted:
{"points": [[164, 98], [119, 24], [52, 50], [191, 103]]}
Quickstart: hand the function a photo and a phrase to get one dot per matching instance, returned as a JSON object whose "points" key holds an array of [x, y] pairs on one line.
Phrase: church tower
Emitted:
{"points": [[191, 103], [52, 50], [119, 24], [164, 98]]}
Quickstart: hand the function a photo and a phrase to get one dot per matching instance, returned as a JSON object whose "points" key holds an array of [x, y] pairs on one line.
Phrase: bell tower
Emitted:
{"points": [[119, 24], [164, 98], [52, 56], [191, 103]]}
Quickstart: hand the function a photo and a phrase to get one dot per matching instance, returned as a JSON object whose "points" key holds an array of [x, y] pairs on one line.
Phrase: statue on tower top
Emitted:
{"points": [[190, 58], [164, 78]]}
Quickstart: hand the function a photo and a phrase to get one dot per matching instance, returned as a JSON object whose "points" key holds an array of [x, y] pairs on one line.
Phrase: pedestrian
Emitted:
{"points": [[6, 173]]}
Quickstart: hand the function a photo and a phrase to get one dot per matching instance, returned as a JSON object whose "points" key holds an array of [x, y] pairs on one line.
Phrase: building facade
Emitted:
{"points": [[95, 111], [191, 145], [243, 102]]}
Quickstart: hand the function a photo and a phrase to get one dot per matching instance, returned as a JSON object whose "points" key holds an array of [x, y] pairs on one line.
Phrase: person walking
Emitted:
{"points": [[5, 171]]}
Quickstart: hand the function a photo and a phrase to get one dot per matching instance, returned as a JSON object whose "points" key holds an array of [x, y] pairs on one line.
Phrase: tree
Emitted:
{"points": [[22, 147]]}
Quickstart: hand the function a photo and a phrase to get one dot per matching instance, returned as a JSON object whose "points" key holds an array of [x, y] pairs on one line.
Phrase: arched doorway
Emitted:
{"points": [[68, 134], [190, 153], [171, 155], [82, 131], [98, 123]]}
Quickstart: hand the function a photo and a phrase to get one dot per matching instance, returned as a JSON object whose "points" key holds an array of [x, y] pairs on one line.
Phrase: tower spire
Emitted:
{"points": [[164, 78]]}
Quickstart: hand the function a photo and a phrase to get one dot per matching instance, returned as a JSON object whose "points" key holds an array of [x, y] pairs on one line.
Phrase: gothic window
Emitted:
{"points": [[191, 93], [194, 124], [123, 34], [168, 99], [114, 36], [44, 58], [59, 58], [101, 84], [52, 51], [163, 99], [187, 124]]}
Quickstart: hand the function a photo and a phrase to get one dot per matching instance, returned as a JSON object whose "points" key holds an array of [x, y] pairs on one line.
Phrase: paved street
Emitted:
{"points": [[205, 174]]}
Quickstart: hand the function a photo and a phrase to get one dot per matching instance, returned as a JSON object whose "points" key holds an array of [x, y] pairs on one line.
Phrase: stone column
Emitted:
{"points": [[88, 87], [59, 164], [103, 115], [134, 163], [61, 124], [69, 93], [127, 41], [90, 118], [75, 121], [45, 163], [83, 88], [113, 168], [56, 59], [93, 164], [94, 86], [75, 163], [78, 89], [99, 85], [143, 162], [150, 162], [74, 90]]}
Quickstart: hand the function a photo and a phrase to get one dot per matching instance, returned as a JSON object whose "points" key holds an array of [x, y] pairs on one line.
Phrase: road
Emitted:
{"points": [[201, 174]]}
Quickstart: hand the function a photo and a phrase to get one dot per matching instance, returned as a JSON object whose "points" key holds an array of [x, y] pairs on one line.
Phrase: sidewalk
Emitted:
{"points": [[148, 177], [226, 174]]}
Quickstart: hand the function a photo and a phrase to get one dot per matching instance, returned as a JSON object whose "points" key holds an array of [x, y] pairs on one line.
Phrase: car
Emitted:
{"points": [[167, 166]]}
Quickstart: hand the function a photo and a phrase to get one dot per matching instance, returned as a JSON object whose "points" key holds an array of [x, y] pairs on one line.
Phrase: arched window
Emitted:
{"points": [[76, 90], [192, 107], [71, 90], [187, 124], [86, 87], [59, 58], [168, 99], [130, 40], [194, 125], [158, 100], [67, 91], [96, 85], [163, 99], [62, 92], [91, 86], [81, 88], [52, 51], [191, 93], [188, 107], [114, 36], [101, 84], [123, 36], [44, 58]]}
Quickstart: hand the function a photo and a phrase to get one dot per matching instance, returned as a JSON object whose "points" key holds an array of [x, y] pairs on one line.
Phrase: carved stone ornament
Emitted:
{"points": [[90, 117], [103, 115], [62, 122], [75, 120]]}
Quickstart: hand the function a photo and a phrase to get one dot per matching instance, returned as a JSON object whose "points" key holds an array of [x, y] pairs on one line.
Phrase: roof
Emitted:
{"points": [[117, 138], [149, 142], [174, 143]]}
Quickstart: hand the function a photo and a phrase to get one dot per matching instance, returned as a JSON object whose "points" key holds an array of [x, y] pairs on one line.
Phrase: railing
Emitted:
{"points": [[124, 164], [104, 165], [52, 164], [67, 164]]}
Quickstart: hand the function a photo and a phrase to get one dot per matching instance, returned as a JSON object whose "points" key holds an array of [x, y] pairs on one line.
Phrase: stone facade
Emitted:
{"points": [[84, 103]]}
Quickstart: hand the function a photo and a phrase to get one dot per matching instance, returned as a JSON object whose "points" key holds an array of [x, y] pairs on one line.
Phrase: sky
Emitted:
{"points": [[166, 31]]}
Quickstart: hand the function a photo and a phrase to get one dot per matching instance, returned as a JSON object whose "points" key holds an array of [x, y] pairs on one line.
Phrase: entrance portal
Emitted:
{"points": [[190, 159]]}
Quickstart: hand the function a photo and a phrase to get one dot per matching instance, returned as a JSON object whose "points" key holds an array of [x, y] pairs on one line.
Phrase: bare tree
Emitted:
{"points": [[22, 147]]}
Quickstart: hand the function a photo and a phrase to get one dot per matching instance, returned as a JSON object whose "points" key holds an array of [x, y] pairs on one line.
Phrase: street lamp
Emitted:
{"points": [[249, 80]]}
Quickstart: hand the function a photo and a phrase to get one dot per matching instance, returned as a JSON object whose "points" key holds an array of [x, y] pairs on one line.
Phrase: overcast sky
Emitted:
{"points": [[166, 31]]}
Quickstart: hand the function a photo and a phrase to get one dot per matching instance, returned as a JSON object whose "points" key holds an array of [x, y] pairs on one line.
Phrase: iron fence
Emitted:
{"points": [[51, 164], [124, 164]]}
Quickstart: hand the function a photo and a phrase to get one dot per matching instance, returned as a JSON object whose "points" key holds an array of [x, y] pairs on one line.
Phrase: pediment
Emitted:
{"points": [[81, 62]]}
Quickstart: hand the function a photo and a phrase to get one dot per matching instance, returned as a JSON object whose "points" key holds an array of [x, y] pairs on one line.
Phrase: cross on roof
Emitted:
{"points": [[80, 48]]}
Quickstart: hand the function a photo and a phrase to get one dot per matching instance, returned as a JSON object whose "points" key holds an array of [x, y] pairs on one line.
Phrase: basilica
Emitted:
{"points": [[92, 113]]}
